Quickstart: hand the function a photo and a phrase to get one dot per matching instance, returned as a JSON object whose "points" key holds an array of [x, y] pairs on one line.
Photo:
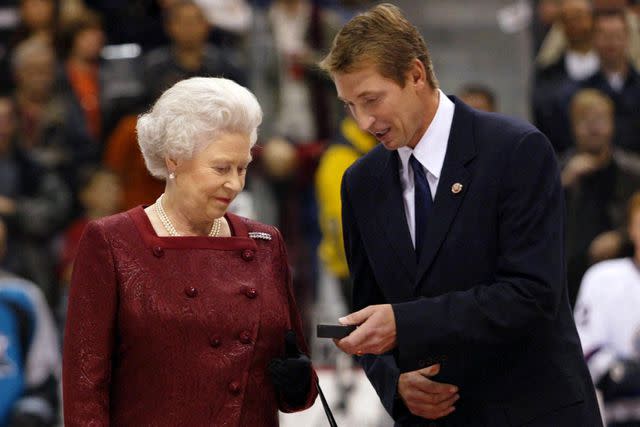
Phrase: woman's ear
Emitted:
{"points": [[172, 164]]}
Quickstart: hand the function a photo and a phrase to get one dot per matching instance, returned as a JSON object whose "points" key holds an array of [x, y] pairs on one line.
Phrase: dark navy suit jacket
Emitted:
{"points": [[488, 297]]}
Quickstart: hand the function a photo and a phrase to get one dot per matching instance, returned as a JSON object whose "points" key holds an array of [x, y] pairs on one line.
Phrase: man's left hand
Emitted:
{"points": [[376, 332]]}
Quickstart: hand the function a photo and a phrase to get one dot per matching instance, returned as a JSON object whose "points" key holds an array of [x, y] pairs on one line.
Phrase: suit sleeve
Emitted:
{"points": [[382, 370], [90, 332], [296, 325], [530, 276]]}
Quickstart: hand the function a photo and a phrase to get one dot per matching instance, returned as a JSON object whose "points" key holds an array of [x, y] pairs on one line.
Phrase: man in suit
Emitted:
{"points": [[453, 230]]}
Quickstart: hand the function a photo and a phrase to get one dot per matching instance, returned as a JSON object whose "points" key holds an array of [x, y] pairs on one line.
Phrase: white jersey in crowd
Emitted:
{"points": [[607, 315]]}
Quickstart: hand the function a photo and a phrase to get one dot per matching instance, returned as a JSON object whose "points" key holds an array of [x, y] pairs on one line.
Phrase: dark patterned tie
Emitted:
{"points": [[423, 202]]}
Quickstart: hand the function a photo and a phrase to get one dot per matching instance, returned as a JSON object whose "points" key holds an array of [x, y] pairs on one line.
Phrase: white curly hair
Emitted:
{"points": [[192, 113]]}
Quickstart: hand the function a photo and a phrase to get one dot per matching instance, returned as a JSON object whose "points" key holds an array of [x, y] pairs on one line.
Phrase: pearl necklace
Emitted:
{"points": [[166, 222]]}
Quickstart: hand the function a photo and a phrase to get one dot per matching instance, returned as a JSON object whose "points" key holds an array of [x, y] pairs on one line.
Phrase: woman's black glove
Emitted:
{"points": [[291, 375]]}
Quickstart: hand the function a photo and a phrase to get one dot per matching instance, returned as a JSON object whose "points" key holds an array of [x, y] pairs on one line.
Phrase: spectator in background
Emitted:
{"points": [[34, 202], [50, 128], [555, 42], [101, 196], [82, 40], [189, 54], [301, 31], [100, 89], [578, 63], [29, 354], [479, 97], [290, 21], [37, 18], [617, 77], [608, 321], [122, 156], [598, 179]]}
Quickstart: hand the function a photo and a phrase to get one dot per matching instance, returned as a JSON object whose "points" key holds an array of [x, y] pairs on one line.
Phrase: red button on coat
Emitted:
{"points": [[247, 255], [234, 387], [215, 342], [191, 292], [251, 293], [158, 251], [245, 337]]}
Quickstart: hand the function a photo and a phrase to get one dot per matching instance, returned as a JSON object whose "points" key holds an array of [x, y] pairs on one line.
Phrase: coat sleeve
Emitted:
{"points": [[530, 273], [382, 370], [296, 325], [90, 332]]}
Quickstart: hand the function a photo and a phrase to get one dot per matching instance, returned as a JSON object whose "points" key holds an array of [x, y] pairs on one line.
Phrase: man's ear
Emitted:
{"points": [[417, 74]]}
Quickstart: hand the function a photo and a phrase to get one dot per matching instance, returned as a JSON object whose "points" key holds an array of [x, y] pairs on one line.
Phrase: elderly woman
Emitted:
{"points": [[178, 311]]}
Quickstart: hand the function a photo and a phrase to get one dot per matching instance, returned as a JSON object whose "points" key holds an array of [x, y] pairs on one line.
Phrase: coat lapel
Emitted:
{"points": [[460, 150], [390, 215]]}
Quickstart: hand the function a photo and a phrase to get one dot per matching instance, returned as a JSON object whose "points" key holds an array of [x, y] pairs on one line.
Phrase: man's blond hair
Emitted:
{"points": [[382, 37]]}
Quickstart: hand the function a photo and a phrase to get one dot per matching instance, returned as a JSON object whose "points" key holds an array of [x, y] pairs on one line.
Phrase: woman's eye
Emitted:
{"points": [[221, 169]]}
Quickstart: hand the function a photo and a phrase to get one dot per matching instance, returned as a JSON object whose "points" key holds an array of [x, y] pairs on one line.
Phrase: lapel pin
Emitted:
{"points": [[456, 188]]}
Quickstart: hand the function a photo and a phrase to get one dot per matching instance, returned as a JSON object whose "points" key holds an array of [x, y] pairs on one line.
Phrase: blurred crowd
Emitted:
{"points": [[75, 74]]}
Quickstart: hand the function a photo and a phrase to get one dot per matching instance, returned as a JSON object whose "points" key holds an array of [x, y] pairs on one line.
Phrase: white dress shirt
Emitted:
{"points": [[430, 152]]}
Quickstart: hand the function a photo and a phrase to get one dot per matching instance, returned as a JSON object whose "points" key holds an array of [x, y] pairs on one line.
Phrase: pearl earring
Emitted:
{"points": [[172, 175]]}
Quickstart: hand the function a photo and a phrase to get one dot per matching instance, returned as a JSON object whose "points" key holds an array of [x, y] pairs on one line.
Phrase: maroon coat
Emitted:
{"points": [[176, 331]]}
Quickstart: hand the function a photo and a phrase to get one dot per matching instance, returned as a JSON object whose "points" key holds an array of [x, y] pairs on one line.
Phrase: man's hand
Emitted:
{"points": [[376, 332], [424, 397]]}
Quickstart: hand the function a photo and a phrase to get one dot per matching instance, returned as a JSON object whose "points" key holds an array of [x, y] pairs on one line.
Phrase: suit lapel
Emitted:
{"points": [[460, 150], [390, 215]]}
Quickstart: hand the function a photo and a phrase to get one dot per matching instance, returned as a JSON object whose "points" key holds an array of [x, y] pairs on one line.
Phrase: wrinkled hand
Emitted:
{"points": [[291, 375], [424, 397], [376, 332]]}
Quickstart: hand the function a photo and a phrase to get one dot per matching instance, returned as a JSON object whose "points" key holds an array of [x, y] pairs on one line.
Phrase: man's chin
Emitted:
{"points": [[390, 145]]}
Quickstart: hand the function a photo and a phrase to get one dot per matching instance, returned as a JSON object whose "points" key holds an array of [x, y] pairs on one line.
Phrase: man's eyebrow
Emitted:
{"points": [[362, 95], [368, 93]]}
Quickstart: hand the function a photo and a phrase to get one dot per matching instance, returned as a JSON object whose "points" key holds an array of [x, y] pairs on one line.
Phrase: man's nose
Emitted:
{"points": [[365, 121]]}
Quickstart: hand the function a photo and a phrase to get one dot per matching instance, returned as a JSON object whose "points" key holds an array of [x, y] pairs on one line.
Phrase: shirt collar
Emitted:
{"points": [[432, 147]]}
